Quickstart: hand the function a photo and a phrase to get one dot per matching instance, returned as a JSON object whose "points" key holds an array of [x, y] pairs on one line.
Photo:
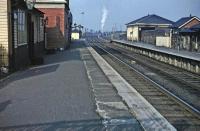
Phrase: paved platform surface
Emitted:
{"points": [[111, 108], [59, 96], [55, 92], [181, 53]]}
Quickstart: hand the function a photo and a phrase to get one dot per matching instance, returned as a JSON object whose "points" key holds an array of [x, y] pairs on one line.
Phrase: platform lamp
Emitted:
{"points": [[30, 4]]}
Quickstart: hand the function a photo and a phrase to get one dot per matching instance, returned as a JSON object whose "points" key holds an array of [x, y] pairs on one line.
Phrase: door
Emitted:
{"points": [[30, 33]]}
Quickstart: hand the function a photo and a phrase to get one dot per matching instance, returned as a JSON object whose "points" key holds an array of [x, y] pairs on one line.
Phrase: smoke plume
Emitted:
{"points": [[104, 17]]}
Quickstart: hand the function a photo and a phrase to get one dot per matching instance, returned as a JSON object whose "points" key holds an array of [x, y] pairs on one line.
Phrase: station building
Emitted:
{"points": [[58, 22], [182, 35], [21, 34], [150, 29], [186, 34]]}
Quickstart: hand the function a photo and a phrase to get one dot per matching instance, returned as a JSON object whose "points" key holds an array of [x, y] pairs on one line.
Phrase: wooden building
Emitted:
{"points": [[147, 28], [58, 22], [196, 37], [5, 33], [22, 34], [185, 34]]}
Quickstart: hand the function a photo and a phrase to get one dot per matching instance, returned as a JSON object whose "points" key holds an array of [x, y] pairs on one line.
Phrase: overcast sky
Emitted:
{"points": [[120, 12]]}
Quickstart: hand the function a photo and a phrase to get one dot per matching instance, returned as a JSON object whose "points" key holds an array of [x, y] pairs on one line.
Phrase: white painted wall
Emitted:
{"points": [[134, 35], [4, 24], [75, 36], [163, 41], [52, 5], [4, 32], [51, 1]]}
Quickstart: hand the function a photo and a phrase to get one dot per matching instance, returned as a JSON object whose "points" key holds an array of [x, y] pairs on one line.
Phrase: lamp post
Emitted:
{"points": [[83, 13], [30, 4]]}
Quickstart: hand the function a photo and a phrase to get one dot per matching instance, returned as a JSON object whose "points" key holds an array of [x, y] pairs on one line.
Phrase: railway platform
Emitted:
{"points": [[68, 92], [187, 60]]}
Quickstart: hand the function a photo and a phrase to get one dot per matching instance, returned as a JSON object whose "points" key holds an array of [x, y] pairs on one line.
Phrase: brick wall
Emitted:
{"points": [[4, 39], [56, 17], [191, 23], [56, 37]]}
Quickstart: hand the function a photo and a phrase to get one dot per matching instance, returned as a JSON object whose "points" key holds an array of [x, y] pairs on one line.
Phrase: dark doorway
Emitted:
{"points": [[30, 33]]}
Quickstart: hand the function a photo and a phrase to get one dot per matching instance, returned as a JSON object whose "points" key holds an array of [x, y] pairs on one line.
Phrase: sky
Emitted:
{"points": [[108, 14]]}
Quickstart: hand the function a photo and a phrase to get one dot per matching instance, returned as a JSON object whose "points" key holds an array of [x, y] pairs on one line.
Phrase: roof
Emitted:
{"points": [[75, 31], [151, 19], [183, 21], [35, 10], [185, 30]]}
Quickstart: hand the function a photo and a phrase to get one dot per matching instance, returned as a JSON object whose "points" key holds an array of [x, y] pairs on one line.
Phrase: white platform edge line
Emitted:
{"points": [[98, 110], [153, 123]]}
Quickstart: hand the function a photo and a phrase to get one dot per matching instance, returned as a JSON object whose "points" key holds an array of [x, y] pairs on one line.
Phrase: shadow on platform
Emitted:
{"points": [[72, 54], [4, 104], [52, 63], [80, 125], [29, 73]]}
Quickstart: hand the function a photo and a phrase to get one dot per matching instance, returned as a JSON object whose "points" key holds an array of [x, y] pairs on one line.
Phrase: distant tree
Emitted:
{"points": [[80, 27]]}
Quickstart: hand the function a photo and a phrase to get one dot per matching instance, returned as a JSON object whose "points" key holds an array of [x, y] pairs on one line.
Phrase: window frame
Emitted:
{"points": [[22, 28]]}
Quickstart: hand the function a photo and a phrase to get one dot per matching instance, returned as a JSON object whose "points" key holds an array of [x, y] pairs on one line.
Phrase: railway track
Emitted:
{"points": [[192, 80], [178, 112], [183, 84]]}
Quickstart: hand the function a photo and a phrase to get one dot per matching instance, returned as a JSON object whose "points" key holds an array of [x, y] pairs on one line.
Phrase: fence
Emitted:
{"points": [[3, 59]]}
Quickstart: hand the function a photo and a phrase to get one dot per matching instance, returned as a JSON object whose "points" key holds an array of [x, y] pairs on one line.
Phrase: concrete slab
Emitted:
{"points": [[110, 105], [183, 54]]}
